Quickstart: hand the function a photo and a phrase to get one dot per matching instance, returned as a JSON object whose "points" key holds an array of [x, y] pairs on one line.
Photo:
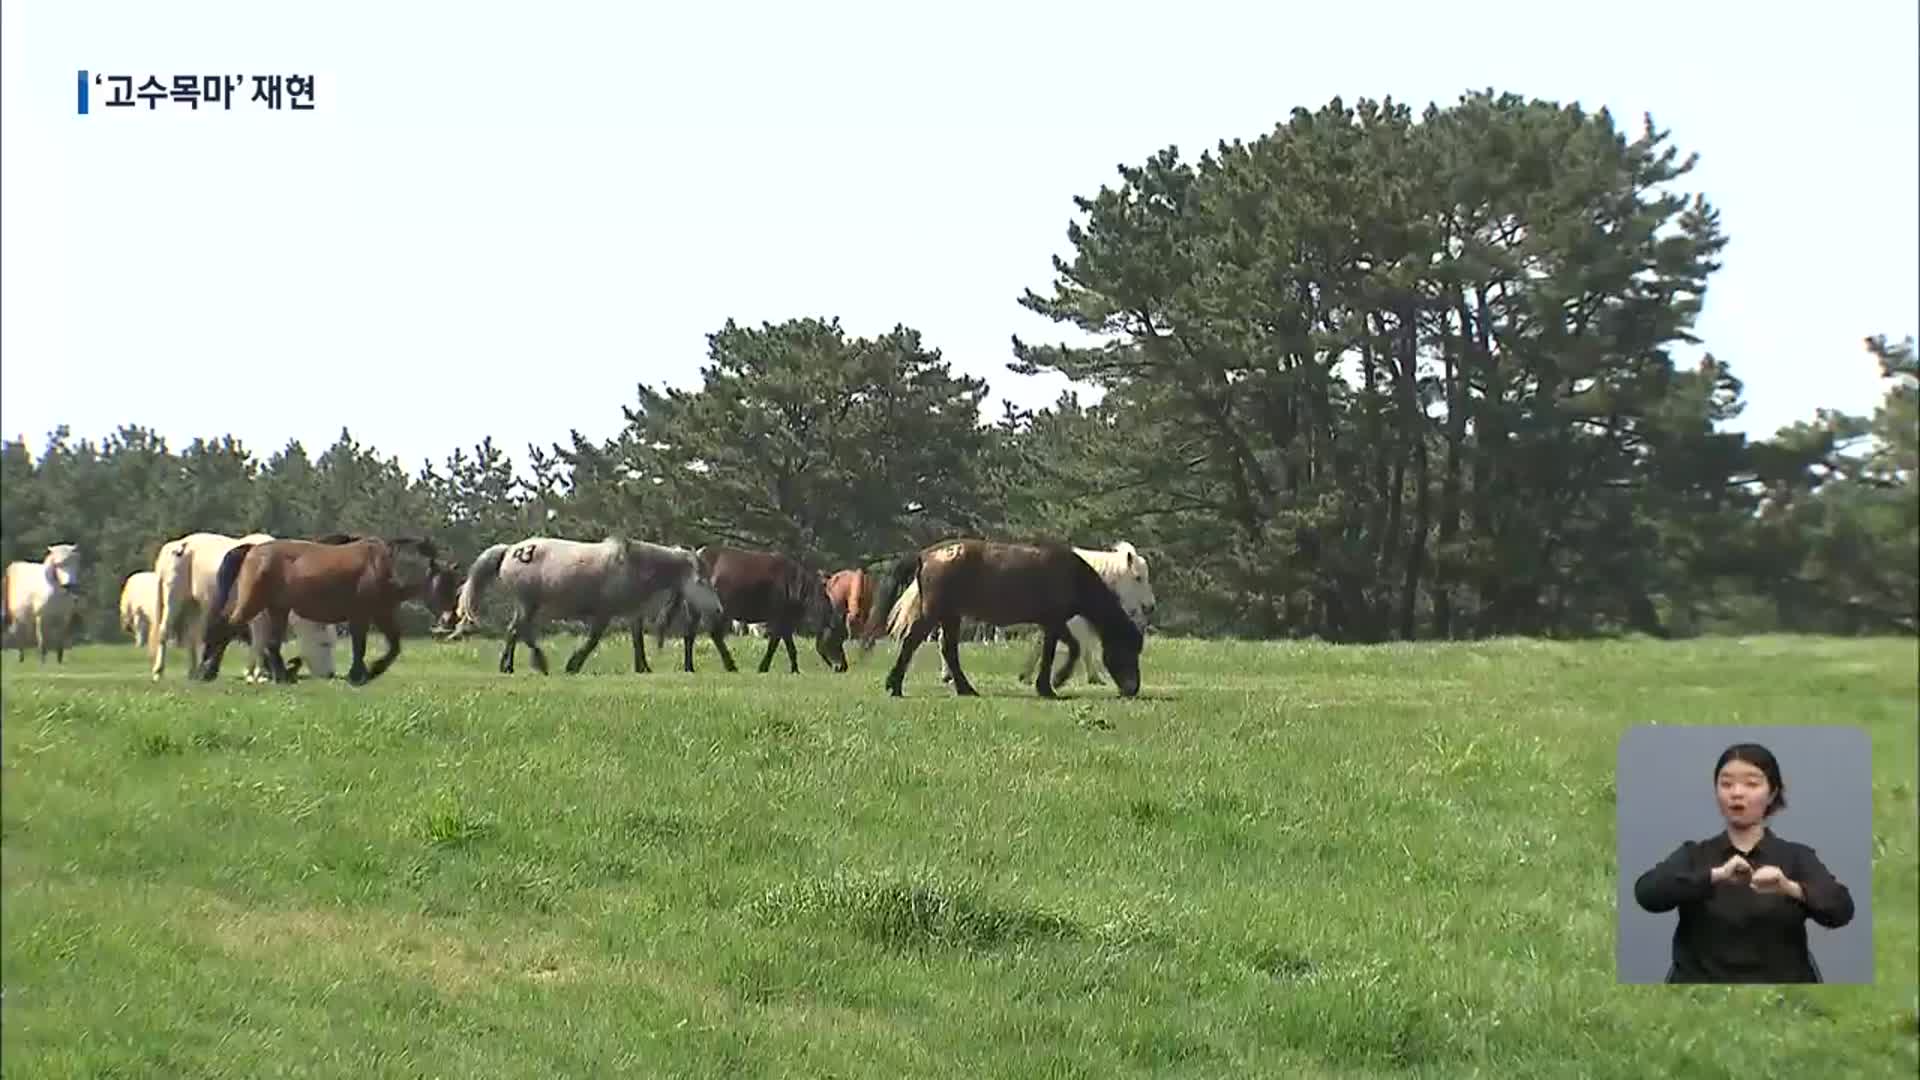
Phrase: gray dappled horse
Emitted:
{"points": [[596, 583]]}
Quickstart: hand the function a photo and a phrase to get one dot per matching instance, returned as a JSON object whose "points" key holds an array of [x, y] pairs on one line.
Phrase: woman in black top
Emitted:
{"points": [[1745, 894]]}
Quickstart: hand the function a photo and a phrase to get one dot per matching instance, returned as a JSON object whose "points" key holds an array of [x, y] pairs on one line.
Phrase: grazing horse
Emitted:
{"points": [[1003, 585], [186, 570], [440, 595], [37, 601], [771, 588], [1125, 571], [333, 580], [597, 582], [139, 599], [850, 596]]}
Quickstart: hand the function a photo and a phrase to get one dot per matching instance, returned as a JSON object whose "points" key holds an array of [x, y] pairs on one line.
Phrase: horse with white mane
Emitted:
{"points": [[37, 601], [596, 582], [186, 573], [1124, 570]]}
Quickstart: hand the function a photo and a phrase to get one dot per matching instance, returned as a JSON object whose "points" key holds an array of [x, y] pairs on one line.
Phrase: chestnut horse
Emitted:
{"points": [[850, 604], [1004, 585], [768, 587], [439, 593], [331, 580]]}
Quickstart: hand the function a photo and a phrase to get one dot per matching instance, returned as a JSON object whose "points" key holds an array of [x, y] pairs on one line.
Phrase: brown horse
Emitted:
{"points": [[768, 587], [335, 579], [1004, 585]]}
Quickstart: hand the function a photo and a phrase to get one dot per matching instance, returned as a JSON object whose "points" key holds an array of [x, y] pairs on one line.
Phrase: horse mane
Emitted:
{"points": [[424, 545], [1103, 609]]}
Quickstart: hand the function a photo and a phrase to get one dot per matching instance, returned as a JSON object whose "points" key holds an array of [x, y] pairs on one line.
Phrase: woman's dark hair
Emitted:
{"points": [[1760, 758]]}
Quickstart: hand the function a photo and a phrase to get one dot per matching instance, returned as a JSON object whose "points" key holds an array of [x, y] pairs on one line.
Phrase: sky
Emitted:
{"points": [[498, 219]]}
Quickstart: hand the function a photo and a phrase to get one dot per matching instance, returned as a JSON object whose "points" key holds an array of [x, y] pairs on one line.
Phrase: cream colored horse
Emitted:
{"points": [[139, 600], [185, 570], [37, 602]]}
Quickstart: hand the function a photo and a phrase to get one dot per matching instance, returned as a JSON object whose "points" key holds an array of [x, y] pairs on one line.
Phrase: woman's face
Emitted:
{"points": [[1743, 793]]}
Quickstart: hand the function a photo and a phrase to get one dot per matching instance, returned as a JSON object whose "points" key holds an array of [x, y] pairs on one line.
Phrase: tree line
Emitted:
{"points": [[1368, 377]]}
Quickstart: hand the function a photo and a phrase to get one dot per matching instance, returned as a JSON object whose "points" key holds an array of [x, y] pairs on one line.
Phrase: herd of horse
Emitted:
{"points": [[207, 589]]}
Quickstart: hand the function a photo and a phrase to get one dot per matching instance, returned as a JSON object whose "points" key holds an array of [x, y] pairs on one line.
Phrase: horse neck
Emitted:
{"points": [[1103, 610]]}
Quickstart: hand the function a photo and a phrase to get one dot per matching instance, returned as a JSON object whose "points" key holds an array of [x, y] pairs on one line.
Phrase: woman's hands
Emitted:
{"points": [[1767, 879], [1736, 870]]}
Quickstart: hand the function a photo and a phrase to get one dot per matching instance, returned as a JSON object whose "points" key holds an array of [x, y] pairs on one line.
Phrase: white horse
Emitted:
{"points": [[139, 600], [38, 602], [185, 571], [1124, 570]]}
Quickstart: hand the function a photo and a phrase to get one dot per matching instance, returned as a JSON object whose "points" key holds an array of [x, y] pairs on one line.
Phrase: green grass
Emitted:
{"points": [[1283, 860]]}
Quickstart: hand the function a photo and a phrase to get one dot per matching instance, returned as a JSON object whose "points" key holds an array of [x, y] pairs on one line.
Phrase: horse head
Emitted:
{"points": [[441, 595], [63, 565]]}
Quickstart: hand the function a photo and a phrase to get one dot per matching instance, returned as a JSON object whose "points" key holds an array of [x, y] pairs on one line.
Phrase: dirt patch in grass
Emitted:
{"points": [[453, 958]]}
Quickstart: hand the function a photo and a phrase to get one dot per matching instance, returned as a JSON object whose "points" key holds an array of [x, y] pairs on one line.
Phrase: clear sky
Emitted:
{"points": [[499, 218]]}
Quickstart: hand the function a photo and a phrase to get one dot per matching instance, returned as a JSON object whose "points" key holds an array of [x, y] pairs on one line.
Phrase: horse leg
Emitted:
{"points": [[773, 642], [793, 655], [277, 670], [940, 634], [594, 629], [827, 639], [1073, 656], [219, 631], [40, 637], [526, 635], [512, 644], [719, 642], [389, 628], [640, 666], [917, 633], [950, 656], [357, 670], [1043, 683]]}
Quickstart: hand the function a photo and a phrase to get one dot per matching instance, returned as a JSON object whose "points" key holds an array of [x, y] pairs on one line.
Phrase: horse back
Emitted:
{"points": [[1002, 583]]}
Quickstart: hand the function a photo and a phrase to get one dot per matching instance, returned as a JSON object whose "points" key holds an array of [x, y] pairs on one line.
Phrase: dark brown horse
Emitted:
{"points": [[768, 587], [1003, 585], [336, 579]]}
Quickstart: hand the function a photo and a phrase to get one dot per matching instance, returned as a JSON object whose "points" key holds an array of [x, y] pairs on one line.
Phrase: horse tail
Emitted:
{"points": [[223, 581], [676, 604], [905, 572], [486, 567], [698, 602], [905, 611]]}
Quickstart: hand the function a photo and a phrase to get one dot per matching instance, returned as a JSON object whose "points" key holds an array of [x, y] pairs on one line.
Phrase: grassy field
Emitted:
{"points": [[1282, 860]]}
